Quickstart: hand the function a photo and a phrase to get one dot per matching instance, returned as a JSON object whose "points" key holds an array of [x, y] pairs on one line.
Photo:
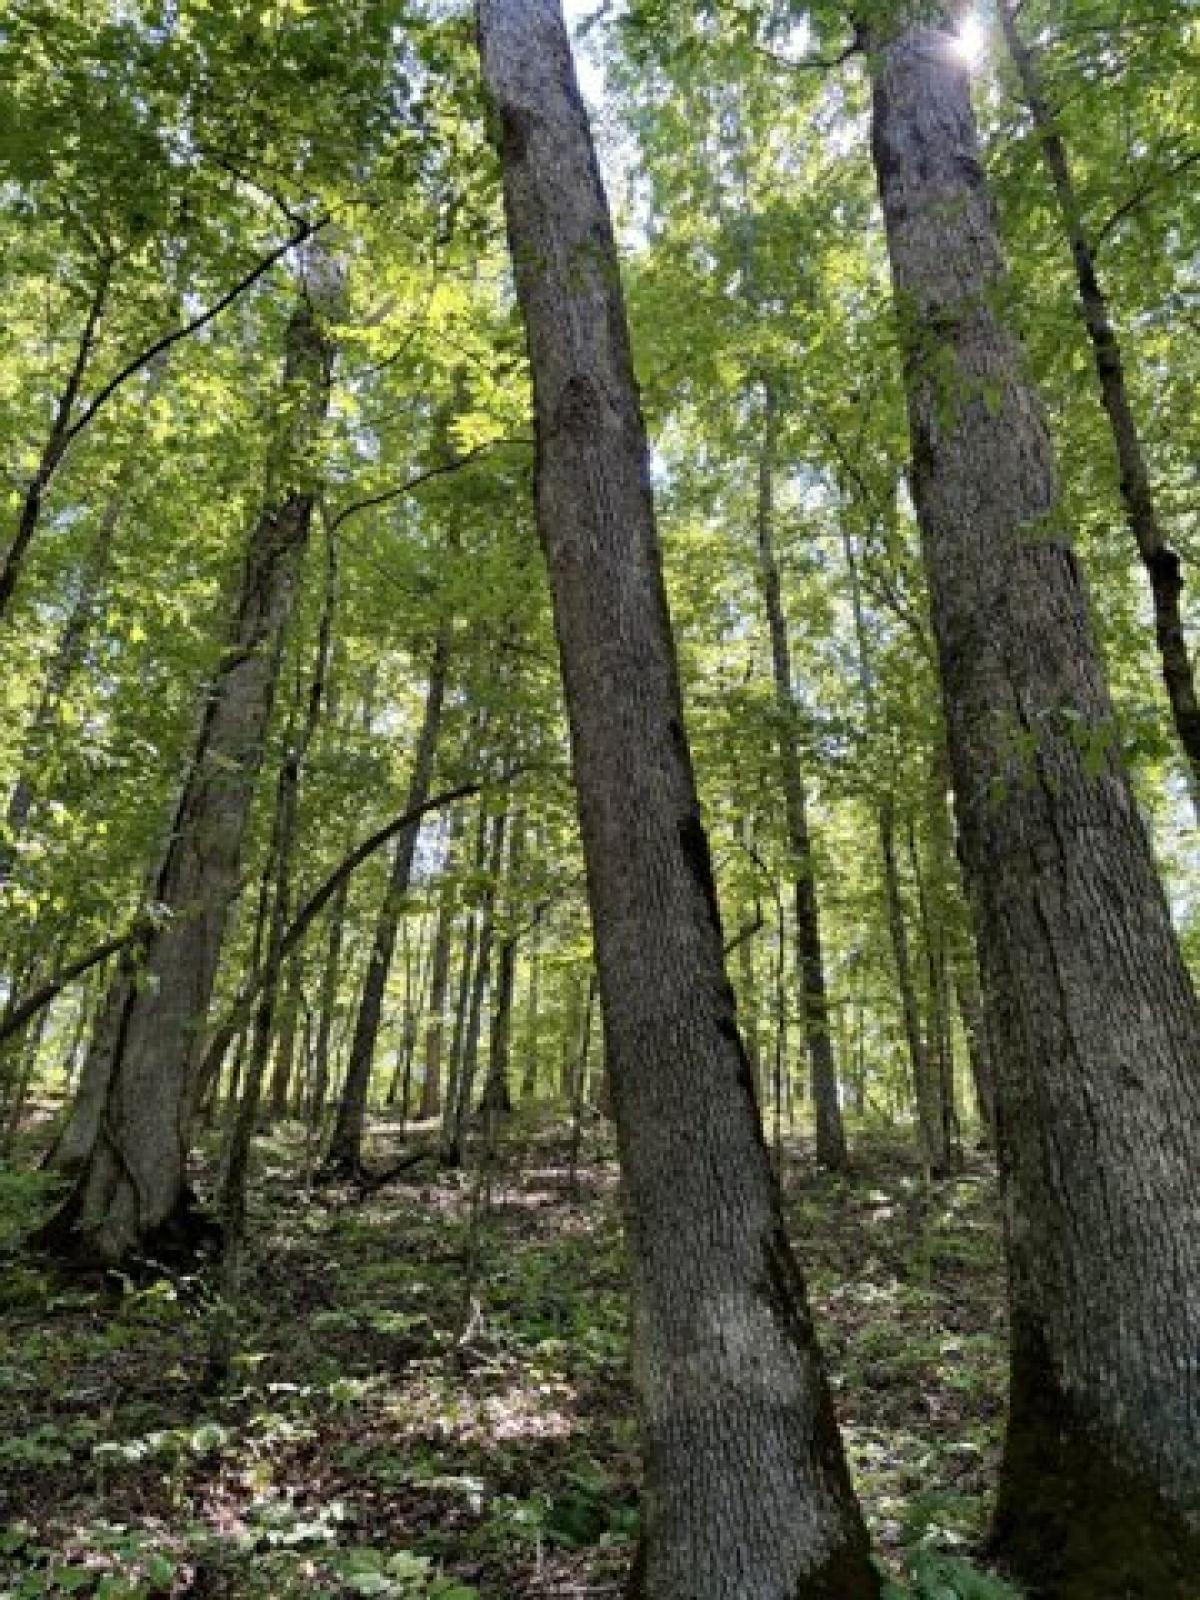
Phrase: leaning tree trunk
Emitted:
{"points": [[746, 1491], [1161, 562], [133, 1179], [1091, 1018], [831, 1137], [345, 1146]]}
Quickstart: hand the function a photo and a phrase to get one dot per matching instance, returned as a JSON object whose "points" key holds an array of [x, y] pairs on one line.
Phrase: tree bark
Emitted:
{"points": [[810, 957], [345, 1146], [1092, 1020], [330, 981], [901, 957], [471, 1025], [497, 1094], [1161, 562], [439, 984], [746, 1491], [133, 1181]]}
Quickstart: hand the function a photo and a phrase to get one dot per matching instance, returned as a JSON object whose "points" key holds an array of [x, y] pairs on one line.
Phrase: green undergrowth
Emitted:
{"points": [[431, 1410]]}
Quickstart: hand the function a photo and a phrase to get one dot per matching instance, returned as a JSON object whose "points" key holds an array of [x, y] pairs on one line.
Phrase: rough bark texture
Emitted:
{"points": [[810, 958], [345, 1145], [1162, 563], [746, 1492], [133, 1181], [1091, 1018]]}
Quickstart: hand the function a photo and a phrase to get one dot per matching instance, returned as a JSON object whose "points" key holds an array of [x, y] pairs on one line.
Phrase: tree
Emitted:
{"points": [[1161, 561], [726, 1365], [1091, 1017], [132, 1182]]}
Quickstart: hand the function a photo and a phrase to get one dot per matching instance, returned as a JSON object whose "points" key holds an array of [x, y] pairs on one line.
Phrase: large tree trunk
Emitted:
{"points": [[133, 1180], [746, 1489], [1160, 561], [345, 1145], [810, 959], [1091, 1017]]}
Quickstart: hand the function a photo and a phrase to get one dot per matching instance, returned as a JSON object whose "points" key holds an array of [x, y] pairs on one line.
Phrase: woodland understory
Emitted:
{"points": [[430, 1394]]}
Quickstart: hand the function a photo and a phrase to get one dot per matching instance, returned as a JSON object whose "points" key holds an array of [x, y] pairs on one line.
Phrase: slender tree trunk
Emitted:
{"points": [[1161, 562], [810, 958], [330, 982], [532, 1029], [286, 1039], [497, 1093], [468, 1060], [57, 442], [746, 1490], [970, 1009], [909, 1008], [345, 1145], [439, 985], [936, 1117], [748, 1009], [133, 1181], [1091, 1017]]}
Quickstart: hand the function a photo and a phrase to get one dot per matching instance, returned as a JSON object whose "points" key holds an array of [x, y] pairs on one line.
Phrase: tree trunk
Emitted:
{"points": [[934, 1094], [468, 1057], [1091, 1017], [532, 1029], [133, 1182], [279, 871], [286, 1038], [970, 1010], [345, 1146], [497, 1093], [1162, 563], [330, 981], [909, 1008], [439, 985], [810, 958], [57, 441], [746, 1491]]}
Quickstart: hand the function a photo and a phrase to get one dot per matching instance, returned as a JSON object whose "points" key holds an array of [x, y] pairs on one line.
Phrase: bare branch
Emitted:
{"points": [[134, 366]]}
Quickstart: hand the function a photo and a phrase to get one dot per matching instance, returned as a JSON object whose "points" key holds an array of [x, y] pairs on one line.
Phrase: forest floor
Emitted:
{"points": [[429, 1397]]}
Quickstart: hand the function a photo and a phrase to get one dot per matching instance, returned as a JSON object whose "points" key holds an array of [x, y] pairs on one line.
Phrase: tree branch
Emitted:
{"points": [[399, 490], [53, 987], [1159, 181], [131, 368]]}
